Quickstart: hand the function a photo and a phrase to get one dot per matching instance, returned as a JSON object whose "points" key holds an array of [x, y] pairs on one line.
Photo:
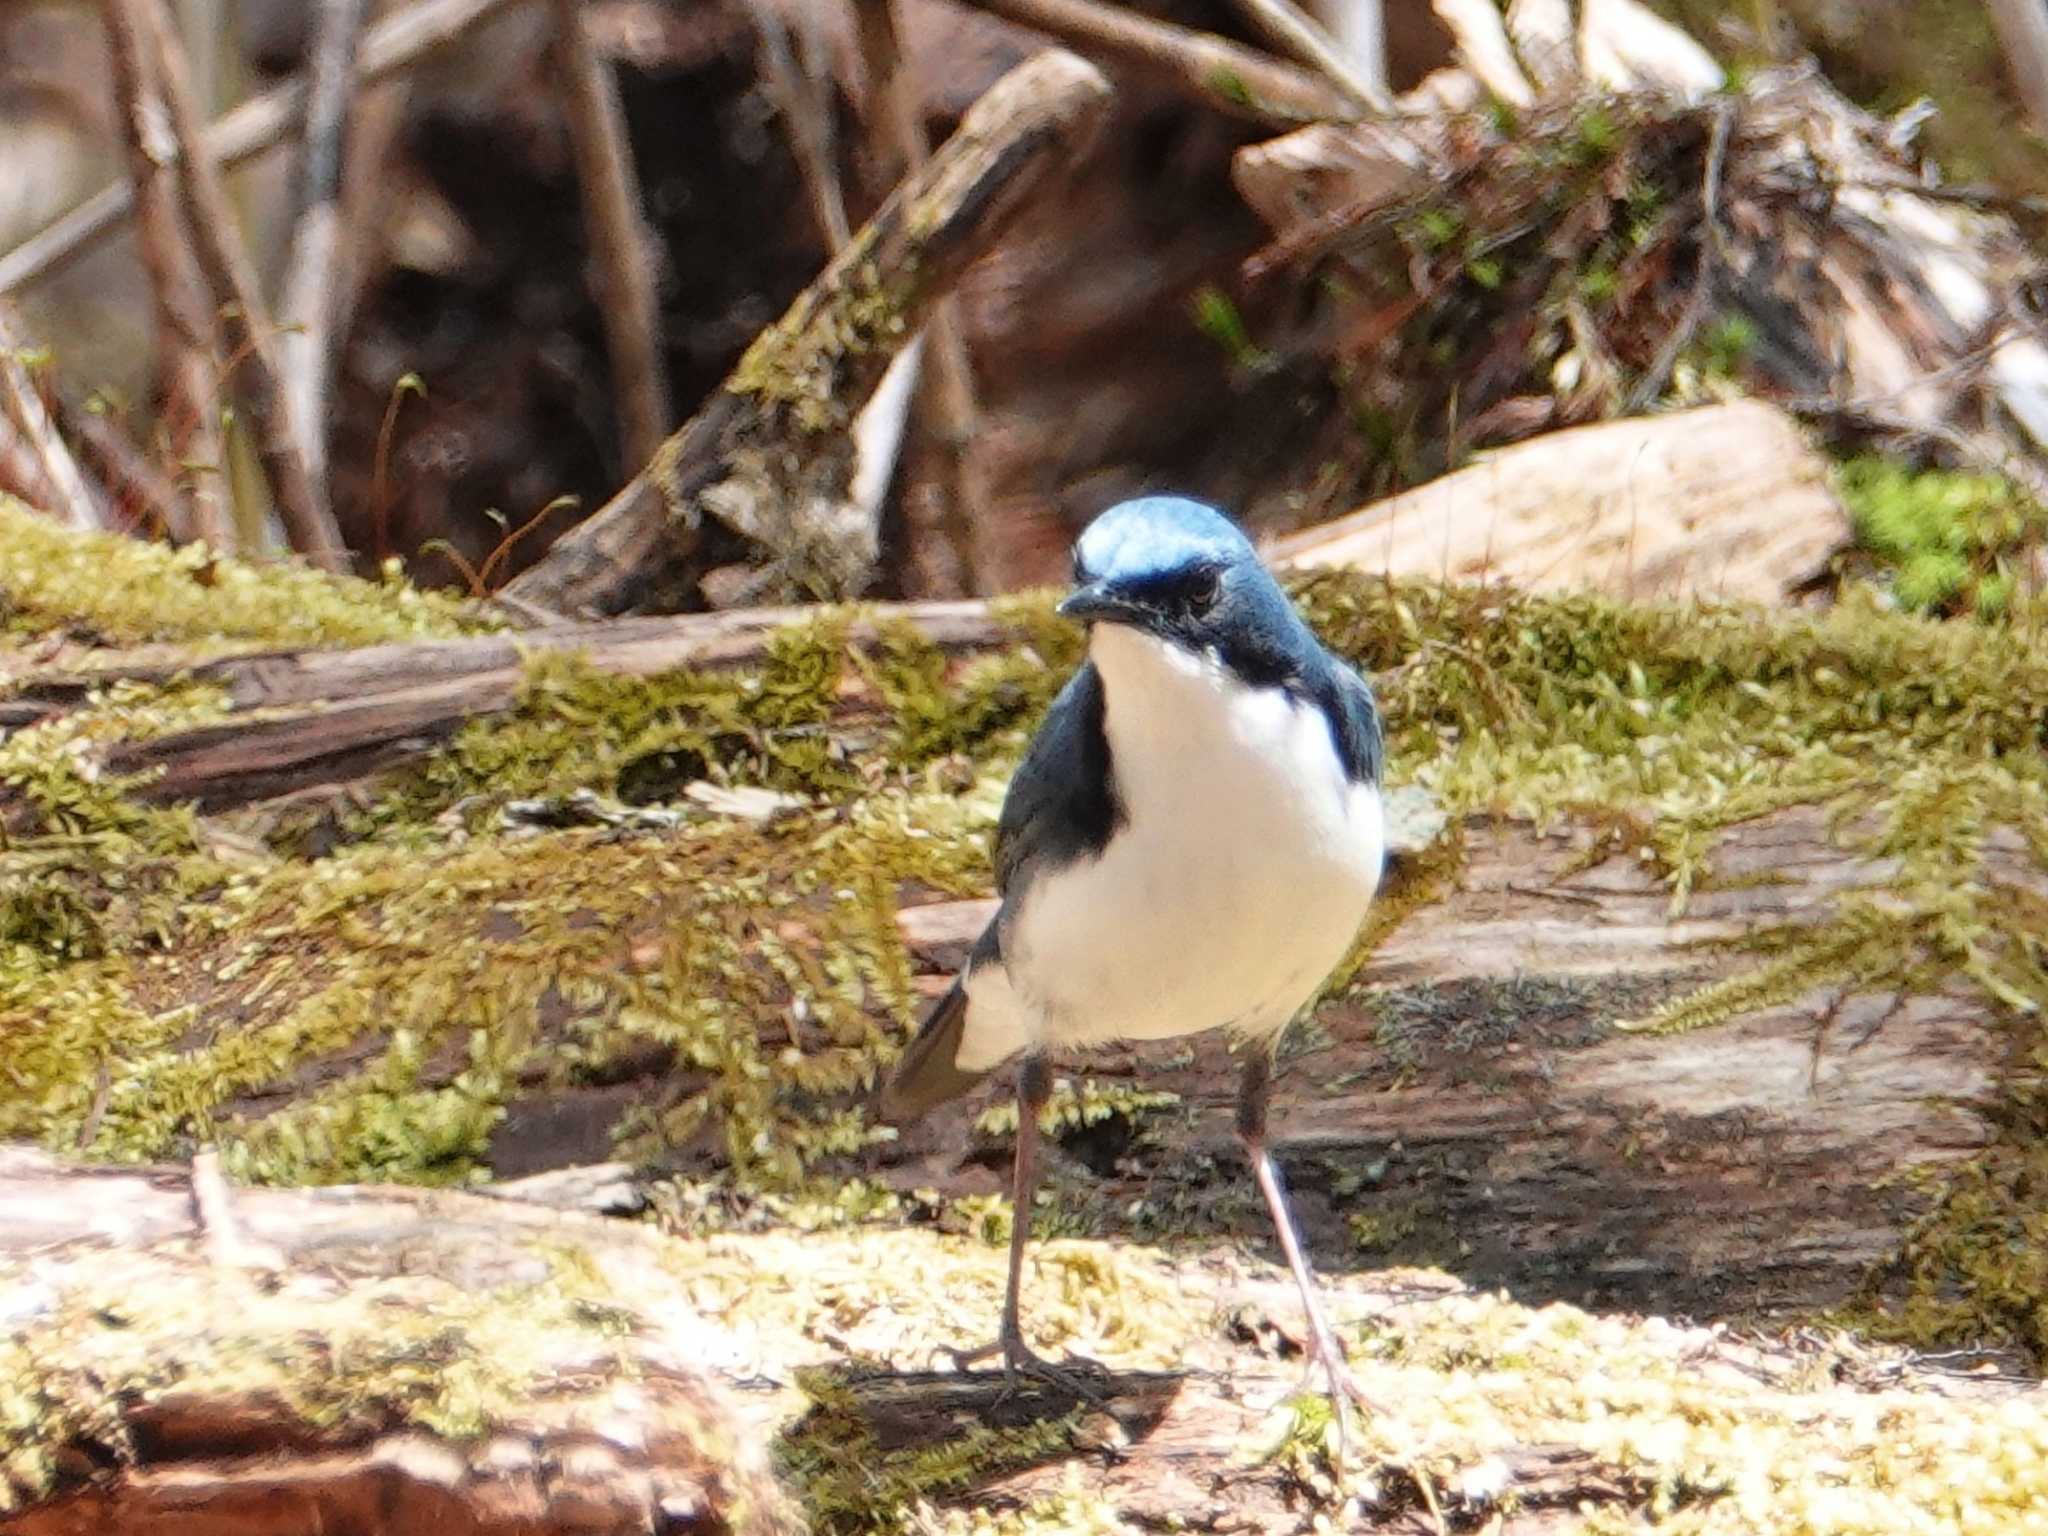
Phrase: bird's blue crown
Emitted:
{"points": [[1155, 535]]}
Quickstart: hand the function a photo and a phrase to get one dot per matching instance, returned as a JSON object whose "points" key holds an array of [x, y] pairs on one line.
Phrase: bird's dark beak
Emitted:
{"points": [[1095, 603]]}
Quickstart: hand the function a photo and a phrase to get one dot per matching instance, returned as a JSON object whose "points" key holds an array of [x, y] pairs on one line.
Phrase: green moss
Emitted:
{"points": [[1951, 542], [1072, 1110], [796, 364], [112, 590]]}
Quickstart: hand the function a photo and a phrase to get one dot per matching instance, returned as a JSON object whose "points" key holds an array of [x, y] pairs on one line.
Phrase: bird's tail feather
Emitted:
{"points": [[929, 1073]]}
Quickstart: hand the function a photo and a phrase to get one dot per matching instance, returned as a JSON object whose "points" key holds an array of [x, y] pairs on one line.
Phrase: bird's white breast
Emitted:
{"points": [[1237, 881]]}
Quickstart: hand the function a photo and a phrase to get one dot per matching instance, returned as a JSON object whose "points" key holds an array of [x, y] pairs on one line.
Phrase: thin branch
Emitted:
{"points": [[945, 400], [245, 325], [252, 129], [310, 291], [1284, 24], [810, 125], [70, 498], [621, 243], [142, 497], [2022, 27], [1241, 82], [188, 341]]}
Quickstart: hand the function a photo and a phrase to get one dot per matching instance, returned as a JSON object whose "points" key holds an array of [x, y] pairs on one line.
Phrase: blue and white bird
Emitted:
{"points": [[1190, 843]]}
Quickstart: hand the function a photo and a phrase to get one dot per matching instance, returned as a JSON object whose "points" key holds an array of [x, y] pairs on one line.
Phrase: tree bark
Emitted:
{"points": [[769, 456], [1723, 501], [333, 716]]}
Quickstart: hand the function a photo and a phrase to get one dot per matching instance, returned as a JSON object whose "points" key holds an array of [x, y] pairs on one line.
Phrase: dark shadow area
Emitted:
{"points": [[875, 1441]]}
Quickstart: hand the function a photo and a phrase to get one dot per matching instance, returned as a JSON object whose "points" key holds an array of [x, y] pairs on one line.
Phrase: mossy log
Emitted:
{"points": [[181, 1358], [317, 716], [1741, 509], [769, 458]]}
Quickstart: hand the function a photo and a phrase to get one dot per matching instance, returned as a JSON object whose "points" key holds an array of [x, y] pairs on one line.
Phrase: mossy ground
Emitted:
{"points": [[394, 1005]]}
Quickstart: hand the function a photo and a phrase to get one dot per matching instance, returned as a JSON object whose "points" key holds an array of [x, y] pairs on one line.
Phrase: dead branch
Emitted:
{"points": [[1214, 71], [1738, 477], [943, 393], [768, 457], [310, 291], [188, 341], [1288, 27], [255, 127], [624, 253], [245, 324], [69, 497]]}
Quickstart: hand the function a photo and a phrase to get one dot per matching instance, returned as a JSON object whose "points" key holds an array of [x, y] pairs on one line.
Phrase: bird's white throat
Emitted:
{"points": [[1234, 883]]}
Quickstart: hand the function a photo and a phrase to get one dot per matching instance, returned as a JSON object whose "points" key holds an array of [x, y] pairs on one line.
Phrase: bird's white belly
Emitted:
{"points": [[1234, 886]]}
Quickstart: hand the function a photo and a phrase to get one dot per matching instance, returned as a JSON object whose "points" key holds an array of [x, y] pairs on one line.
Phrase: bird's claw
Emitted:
{"points": [[1077, 1376], [1342, 1388]]}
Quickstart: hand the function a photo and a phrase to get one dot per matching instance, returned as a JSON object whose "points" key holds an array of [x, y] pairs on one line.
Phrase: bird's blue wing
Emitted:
{"points": [[1354, 715], [1062, 802], [1061, 806]]}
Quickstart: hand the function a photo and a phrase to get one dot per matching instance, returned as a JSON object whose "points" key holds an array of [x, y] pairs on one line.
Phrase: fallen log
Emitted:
{"points": [[323, 717], [771, 453], [375, 1360], [456, 1362], [1726, 501]]}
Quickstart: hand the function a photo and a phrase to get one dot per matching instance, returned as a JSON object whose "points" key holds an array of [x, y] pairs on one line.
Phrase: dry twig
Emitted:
{"points": [[256, 126], [622, 246], [1239, 81], [69, 496], [944, 393], [245, 325], [188, 342], [1287, 26], [308, 298], [140, 494], [804, 107]]}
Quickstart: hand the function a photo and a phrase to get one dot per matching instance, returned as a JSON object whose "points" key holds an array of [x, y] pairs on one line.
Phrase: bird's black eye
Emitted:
{"points": [[1204, 587]]}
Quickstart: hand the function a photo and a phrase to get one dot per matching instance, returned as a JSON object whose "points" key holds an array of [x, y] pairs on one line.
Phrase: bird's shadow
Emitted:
{"points": [[873, 1435]]}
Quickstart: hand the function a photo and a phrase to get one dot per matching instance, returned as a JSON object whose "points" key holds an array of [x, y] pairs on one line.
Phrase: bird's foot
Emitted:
{"points": [[1326, 1358], [1076, 1376]]}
